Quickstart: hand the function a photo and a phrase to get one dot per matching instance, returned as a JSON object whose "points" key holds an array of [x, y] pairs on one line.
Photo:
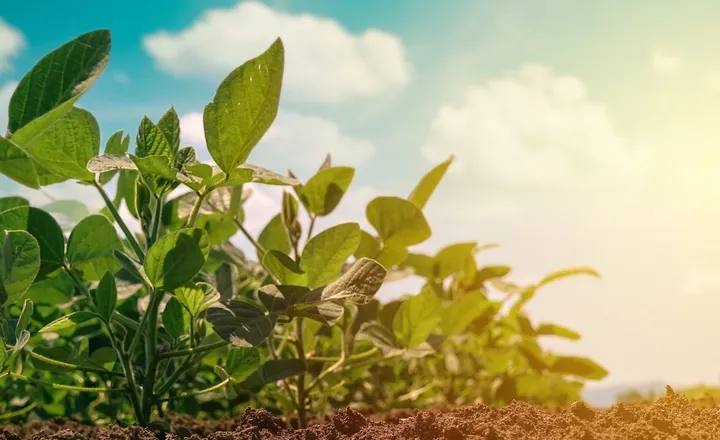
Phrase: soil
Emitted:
{"points": [[670, 417]]}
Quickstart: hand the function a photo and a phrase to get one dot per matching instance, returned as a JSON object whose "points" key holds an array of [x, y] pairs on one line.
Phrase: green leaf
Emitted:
{"points": [[422, 265], [273, 371], [59, 78], [176, 319], [105, 296], [547, 329], [54, 290], [381, 337], [242, 362], [369, 247], [73, 210], [578, 366], [564, 273], [68, 321], [274, 236], [91, 245], [244, 107], [151, 140], [398, 221], [425, 188], [117, 146], [491, 272], [417, 317], [12, 202], [323, 191], [326, 253], [106, 163], [66, 147], [104, 357], [247, 173], [197, 297], [176, 258], [284, 268], [451, 259], [169, 125], [360, 283], [158, 173], [19, 265], [17, 165], [24, 319], [240, 323], [46, 231], [462, 311]]}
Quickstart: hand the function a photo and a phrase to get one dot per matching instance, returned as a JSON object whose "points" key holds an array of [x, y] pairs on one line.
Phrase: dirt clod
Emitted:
{"points": [[671, 417]]}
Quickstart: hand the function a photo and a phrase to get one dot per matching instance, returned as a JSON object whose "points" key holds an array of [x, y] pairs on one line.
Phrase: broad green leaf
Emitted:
{"points": [[133, 267], [368, 247], [74, 210], [185, 156], [244, 107], [398, 221], [91, 245], [106, 296], [273, 371], [451, 259], [169, 125], [491, 272], [176, 258], [116, 146], [197, 297], [104, 357], [392, 254], [299, 301], [380, 336], [176, 319], [151, 140], [547, 329], [46, 231], [323, 191], [360, 283], [157, 173], [19, 265], [240, 323], [59, 78], [24, 319], [68, 321], [12, 202], [326, 253], [417, 317], [533, 354], [242, 362], [284, 268], [52, 291], [425, 188], [274, 236], [462, 311], [579, 367], [564, 273], [422, 265], [17, 165], [66, 147]]}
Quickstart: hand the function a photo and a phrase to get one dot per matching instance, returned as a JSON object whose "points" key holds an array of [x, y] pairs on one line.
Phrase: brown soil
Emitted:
{"points": [[669, 417]]}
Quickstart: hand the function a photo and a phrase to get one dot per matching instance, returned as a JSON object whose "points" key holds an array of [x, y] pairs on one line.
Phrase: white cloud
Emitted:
{"points": [[6, 91], [324, 61], [663, 62], [295, 141], [530, 127], [11, 42]]}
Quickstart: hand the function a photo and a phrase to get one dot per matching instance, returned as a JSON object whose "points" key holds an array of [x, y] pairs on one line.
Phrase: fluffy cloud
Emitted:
{"points": [[530, 127], [324, 61], [664, 62], [6, 91], [11, 42], [295, 141]]}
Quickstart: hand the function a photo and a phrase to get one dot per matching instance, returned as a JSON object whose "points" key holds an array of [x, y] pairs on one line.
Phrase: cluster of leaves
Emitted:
{"points": [[106, 324]]}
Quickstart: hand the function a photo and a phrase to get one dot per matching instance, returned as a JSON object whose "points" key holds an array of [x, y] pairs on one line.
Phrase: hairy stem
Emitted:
{"points": [[301, 397], [157, 221], [151, 360], [116, 215], [57, 386]]}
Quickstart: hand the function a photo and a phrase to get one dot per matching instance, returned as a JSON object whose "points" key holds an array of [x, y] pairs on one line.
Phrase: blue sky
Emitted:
{"points": [[585, 133]]}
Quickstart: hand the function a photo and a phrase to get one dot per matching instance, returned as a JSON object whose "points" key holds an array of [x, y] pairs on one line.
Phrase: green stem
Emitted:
{"points": [[193, 351], [301, 397], [157, 220], [310, 228], [21, 411], [134, 325], [199, 392], [200, 197], [58, 386], [261, 250], [151, 360], [116, 215], [57, 363], [356, 357]]}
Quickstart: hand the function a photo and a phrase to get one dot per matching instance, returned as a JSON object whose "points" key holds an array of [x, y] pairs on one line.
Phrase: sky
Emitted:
{"points": [[584, 133]]}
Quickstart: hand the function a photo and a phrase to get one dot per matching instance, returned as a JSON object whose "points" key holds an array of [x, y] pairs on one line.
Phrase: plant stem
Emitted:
{"points": [[21, 411], [310, 228], [151, 360], [299, 344], [116, 215], [57, 363], [200, 197], [199, 392], [193, 351], [58, 386], [356, 357], [157, 221]]}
